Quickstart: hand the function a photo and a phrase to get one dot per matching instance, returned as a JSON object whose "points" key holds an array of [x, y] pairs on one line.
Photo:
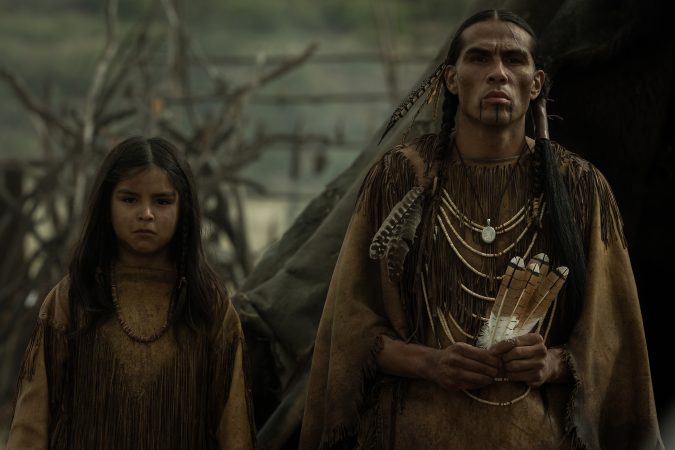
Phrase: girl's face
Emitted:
{"points": [[144, 209]]}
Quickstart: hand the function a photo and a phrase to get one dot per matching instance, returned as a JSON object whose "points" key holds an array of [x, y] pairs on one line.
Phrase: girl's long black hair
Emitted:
{"points": [[197, 293]]}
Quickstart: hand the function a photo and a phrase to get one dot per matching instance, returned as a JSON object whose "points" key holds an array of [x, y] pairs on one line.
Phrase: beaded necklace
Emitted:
{"points": [[123, 323], [488, 232]]}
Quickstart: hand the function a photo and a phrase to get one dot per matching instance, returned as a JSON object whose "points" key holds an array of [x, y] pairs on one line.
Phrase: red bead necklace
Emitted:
{"points": [[125, 326]]}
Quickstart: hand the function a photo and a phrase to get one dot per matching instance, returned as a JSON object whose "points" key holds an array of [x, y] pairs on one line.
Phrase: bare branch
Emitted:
{"points": [[133, 47], [173, 132], [277, 72], [291, 99], [124, 85], [221, 137], [100, 74], [225, 178], [386, 44], [32, 104], [179, 56], [116, 116], [111, 20], [293, 138]]}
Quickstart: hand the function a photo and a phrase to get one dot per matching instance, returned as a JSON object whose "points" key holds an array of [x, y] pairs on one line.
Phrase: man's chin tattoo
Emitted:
{"points": [[508, 110]]}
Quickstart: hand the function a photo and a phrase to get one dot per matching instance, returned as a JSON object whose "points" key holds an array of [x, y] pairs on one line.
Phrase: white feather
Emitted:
{"points": [[506, 322], [496, 330]]}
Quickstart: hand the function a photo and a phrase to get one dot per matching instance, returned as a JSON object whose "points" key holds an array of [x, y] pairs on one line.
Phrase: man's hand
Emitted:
{"points": [[527, 359], [462, 366]]}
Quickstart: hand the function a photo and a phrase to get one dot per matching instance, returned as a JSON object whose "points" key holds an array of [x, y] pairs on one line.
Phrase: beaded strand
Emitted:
{"points": [[126, 327]]}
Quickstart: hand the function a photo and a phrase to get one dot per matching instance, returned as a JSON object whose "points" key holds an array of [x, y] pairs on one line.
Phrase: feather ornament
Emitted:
{"points": [[547, 291], [393, 238], [523, 299], [412, 98]]}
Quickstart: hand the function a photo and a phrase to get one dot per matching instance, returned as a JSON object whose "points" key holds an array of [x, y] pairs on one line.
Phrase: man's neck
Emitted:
{"points": [[478, 141]]}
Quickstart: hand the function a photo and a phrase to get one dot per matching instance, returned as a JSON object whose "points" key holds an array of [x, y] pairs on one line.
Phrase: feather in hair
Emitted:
{"points": [[412, 98], [393, 238]]}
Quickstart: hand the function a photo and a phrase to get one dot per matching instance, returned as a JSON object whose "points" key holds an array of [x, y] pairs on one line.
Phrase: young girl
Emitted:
{"points": [[138, 347]]}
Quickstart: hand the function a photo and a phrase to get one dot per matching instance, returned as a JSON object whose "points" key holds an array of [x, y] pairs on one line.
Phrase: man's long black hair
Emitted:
{"points": [[546, 178]]}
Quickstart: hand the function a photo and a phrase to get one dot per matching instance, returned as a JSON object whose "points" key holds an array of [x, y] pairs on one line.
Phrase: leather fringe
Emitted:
{"points": [[585, 183], [586, 186], [440, 258], [102, 409], [570, 425], [394, 175], [27, 369], [344, 435], [385, 185]]}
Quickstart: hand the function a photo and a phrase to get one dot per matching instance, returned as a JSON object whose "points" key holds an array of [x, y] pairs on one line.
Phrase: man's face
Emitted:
{"points": [[494, 76]]}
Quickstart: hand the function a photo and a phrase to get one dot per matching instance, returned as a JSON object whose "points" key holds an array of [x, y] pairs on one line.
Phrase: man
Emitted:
{"points": [[396, 363]]}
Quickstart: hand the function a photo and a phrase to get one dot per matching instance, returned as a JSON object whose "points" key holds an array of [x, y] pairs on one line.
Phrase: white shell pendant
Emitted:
{"points": [[488, 233]]}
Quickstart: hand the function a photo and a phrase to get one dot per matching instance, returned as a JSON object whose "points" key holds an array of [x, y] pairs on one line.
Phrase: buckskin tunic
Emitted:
{"points": [[351, 405], [182, 391]]}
